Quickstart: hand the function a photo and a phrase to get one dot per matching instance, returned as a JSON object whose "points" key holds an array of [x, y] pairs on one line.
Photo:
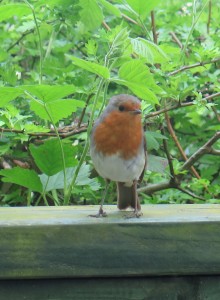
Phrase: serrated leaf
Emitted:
{"points": [[152, 143], [91, 14], [48, 93], [148, 50], [139, 90], [152, 137], [46, 103], [8, 94], [57, 181], [137, 77], [48, 157], [90, 66], [8, 11], [23, 177], [58, 109]]}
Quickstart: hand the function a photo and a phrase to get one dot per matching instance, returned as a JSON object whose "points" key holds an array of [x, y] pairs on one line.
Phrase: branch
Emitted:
{"points": [[20, 38], [179, 105], [199, 64], [152, 188], [129, 19], [175, 139], [63, 132], [176, 40], [84, 109], [190, 193], [153, 27], [205, 149], [105, 25]]}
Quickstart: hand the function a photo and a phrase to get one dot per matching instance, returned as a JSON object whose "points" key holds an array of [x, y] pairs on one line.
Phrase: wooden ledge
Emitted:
{"points": [[60, 242]]}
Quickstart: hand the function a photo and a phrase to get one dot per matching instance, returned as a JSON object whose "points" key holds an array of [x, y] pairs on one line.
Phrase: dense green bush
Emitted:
{"points": [[59, 64]]}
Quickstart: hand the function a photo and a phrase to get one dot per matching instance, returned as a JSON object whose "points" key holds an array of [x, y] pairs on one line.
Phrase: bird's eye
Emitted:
{"points": [[121, 107]]}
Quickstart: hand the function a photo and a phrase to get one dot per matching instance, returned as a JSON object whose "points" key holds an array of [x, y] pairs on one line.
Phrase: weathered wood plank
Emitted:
{"points": [[158, 288], [53, 242]]}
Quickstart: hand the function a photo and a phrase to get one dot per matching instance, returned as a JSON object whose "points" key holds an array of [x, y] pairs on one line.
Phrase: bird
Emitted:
{"points": [[118, 150]]}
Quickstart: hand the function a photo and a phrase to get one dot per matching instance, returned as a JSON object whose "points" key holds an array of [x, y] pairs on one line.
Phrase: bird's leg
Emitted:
{"points": [[137, 210], [101, 212]]}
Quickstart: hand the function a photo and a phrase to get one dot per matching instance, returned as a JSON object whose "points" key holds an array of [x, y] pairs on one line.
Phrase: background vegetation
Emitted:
{"points": [[59, 64]]}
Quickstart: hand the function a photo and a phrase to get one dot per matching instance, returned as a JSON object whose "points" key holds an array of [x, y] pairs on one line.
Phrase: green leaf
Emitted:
{"points": [[10, 10], [148, 50], [152, 143], [90, 66], [143, 8], [91, 14], [23, 177], [48, 157], [49, 93], [152, 137], [110, 8], [139, 90], [137, 77], [57, 181], [58, 109], [8, 94], [46, 103]]}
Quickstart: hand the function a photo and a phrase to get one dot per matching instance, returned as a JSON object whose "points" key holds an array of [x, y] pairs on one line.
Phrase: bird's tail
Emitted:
{"points": [[127, 196]]}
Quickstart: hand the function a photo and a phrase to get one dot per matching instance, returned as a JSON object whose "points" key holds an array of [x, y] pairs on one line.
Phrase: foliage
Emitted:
{"points": [[61, 61]]}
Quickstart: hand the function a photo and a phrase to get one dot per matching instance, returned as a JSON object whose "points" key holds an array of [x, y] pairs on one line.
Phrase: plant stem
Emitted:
{"points": [[57, 135], [86, 147], [195, 19], [40, 42], [61, 149]]}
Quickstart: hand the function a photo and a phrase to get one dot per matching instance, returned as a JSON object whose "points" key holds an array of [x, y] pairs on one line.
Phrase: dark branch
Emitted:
{"points": [[205, 149]]}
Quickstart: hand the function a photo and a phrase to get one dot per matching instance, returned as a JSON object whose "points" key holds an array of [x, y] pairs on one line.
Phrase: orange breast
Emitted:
{"points": [[119, 132]]}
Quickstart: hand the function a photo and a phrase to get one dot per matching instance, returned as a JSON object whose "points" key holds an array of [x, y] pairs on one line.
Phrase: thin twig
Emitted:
{"points": [[153, 24], [84, 110], [199, 64], [176, 40], [179, 105], [20, 39], [169, 158], [175, 139], [209, 16], [130, 19], [105, 25], [190, 193], [61, 132]]}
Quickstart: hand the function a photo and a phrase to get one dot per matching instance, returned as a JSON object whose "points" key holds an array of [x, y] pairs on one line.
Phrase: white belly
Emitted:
{"points": [[115, 168]]}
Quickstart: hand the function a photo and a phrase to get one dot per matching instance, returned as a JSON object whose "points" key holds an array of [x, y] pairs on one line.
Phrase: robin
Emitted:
{"points": [[118, 150]]}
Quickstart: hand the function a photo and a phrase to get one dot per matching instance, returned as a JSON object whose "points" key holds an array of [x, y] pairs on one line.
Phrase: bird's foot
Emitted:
{"points": [[134, 214], [101, 213]]}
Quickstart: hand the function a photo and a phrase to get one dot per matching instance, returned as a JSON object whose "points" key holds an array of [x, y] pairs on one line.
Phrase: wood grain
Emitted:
{"points": [[63, 242], [158, 288]]}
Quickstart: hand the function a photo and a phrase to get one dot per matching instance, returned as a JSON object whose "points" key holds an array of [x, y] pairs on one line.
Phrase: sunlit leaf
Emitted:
{"points": [[90, 66], [91, 14], [23, 177], [48, 157], [8, 11]]}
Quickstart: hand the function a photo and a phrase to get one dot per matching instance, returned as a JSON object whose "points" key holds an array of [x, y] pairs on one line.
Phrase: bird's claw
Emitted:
{"points": [[101, 214], [134, 214]]}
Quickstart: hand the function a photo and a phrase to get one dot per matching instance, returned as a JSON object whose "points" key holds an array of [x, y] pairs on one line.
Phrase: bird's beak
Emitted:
{"points": [[136, 111]]}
